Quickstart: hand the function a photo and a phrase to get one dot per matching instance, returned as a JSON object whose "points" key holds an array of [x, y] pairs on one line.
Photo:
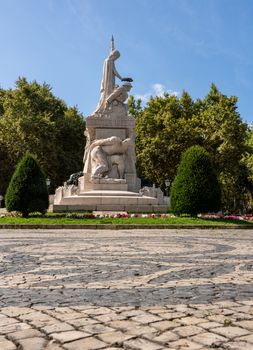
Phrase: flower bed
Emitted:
{"points": [[228, 217], [112, 217]]}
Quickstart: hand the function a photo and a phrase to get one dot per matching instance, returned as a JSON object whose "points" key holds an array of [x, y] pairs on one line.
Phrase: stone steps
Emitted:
{"points": [[109, 193]]}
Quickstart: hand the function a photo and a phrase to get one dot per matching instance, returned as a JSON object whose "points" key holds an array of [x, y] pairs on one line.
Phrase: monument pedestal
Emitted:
{"points": [[109, 200]]}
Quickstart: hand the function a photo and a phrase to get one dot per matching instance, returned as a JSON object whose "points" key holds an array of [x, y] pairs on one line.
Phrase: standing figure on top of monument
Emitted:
{"points": [[108, 79]]}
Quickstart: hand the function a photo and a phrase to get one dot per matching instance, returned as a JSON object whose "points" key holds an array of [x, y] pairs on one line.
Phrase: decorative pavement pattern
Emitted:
{"points": [[132, 289]]}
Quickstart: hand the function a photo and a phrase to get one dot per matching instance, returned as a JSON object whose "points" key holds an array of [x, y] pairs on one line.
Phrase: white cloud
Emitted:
{"points": [[144, 97], [157, 89]]}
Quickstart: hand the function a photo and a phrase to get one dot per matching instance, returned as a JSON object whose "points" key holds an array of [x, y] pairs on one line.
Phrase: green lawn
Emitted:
{"points": [[53, 219]]}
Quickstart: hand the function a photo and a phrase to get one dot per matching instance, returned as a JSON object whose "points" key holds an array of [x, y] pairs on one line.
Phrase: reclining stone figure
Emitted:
{"points": [[106, 153]]}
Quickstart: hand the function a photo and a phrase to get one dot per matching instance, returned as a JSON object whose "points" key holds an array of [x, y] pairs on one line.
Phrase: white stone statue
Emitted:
{"points": [[108, 80], [107, 157], [109, 180]]}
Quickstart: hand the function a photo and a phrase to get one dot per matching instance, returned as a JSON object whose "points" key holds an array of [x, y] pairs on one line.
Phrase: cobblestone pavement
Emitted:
{"points": [[139, 290]]}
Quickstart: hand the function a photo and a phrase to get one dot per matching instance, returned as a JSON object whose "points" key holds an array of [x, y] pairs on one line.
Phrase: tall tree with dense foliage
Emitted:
{"points": [[224, 135], [164, 129], [195, 188], [27, 191], [168, 125], [33, 120]]}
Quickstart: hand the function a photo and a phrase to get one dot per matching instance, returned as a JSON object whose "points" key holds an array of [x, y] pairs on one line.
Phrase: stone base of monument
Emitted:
{"points": [[107, 200]]}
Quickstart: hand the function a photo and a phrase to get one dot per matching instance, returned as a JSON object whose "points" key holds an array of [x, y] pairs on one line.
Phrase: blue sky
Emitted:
{"points": [[170, 45]]}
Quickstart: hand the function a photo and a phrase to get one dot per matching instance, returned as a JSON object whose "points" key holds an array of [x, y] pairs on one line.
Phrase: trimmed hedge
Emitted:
{"points": [[195, 189], [27, 191]]}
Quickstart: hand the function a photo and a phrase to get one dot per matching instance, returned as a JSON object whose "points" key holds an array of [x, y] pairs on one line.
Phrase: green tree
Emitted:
{"points": [[247, 165], [223, 135], [27, 191], [168, 125], [134, 106], [164, 129], [33, 120], [195, 188]]}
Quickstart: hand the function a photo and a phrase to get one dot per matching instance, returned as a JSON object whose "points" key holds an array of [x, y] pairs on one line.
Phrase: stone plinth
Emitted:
{"points": [[101, 184], [107, 132], [109, 200]]}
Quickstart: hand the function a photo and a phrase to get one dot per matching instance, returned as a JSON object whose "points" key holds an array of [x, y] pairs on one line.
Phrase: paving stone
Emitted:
{"points": [[247, 302], [89, 343], [5, 321], [27, 333], [238, 345], [187, 331], [166, 337], [123, 324], [7, 345], [121, 308], [97, 311], [209, 325], [97, 329], [247, 338], [108, 317], [16, 311], [231, 331], [190, 320], [116, 337], [245, 324], [227, 312], [221, 318], [173, 315], [38, 319], [227, 304], [242, 316], [145, 319], [130, 313], [53, 346], [164, 325], [69, 336], [158, 310], [68, 316], [14, 327], [57, 327], [35, 343], [142, 344], [148, 331], [43, 308], [243, 309], [186, 344], [80, 322], [209, 339]]}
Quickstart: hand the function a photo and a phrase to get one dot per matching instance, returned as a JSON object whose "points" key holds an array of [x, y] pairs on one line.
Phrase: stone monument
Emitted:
{"points": [[109, 180]]}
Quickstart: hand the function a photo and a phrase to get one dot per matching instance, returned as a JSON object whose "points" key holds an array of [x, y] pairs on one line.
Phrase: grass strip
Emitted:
{"points": [[120, 221]]}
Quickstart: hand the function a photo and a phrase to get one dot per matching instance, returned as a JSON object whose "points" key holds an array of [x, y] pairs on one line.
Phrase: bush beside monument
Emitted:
{"points": [[27, 191]]}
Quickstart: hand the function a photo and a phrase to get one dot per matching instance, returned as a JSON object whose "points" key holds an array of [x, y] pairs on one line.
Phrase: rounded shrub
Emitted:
{"points": [[27, 191], [195, 188]]}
